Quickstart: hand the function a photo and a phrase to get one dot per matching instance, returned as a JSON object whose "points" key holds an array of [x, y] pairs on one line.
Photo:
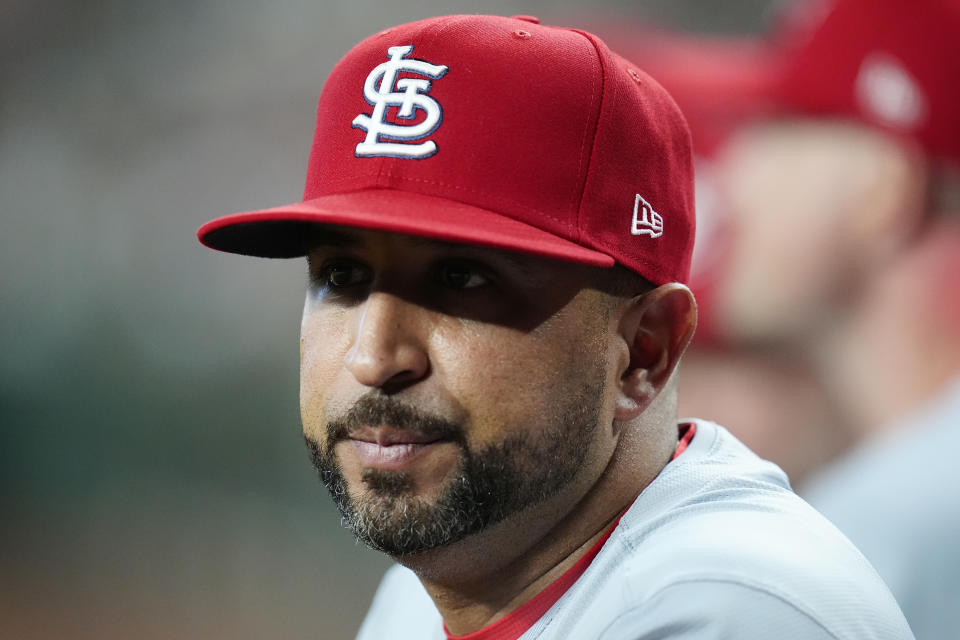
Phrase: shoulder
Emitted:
{"points": [[882, 495], [716, 608], [888, 473], [720, 543], [772, 568], [896, 498]]}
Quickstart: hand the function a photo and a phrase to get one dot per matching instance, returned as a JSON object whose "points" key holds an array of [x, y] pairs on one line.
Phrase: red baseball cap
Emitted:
{"points": [[498, 132], [892, 64]]}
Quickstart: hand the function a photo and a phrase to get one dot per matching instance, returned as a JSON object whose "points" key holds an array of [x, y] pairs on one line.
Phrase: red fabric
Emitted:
{"points": [[893, 64], [543, 130], [719, 82], [516, 623], [687, 431]]}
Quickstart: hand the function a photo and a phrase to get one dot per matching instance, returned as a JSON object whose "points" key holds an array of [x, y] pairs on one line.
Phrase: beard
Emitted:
{"points": [[491, 483]]}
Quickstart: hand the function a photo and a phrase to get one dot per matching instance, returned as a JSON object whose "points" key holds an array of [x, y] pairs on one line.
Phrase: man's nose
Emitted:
{"points": [[388, 349]]}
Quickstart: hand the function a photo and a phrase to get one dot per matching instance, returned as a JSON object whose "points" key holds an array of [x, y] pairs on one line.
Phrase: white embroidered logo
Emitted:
{"points": [[409, 97], [887, 91], [646, 221]]}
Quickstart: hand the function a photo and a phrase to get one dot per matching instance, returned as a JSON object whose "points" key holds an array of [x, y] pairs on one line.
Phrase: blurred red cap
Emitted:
{"points": [[892, 64], [719, 82]]}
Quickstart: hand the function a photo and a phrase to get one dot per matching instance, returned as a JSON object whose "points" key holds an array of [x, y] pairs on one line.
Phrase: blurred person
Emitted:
{"points": [[897, 495], [498, 224], [861, 153], [724, 84], [775, 402], [837, 261]]}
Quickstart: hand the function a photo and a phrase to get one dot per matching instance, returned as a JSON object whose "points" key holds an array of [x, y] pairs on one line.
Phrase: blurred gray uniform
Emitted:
{"points": [[718, 546], [898, 499]]}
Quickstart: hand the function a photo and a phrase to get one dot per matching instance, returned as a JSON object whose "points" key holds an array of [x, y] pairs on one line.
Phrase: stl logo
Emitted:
{"points": [[646, 221], [410, 97]]}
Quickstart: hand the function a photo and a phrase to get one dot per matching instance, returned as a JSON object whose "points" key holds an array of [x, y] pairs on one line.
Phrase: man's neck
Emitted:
{"points": [[468, 607]]}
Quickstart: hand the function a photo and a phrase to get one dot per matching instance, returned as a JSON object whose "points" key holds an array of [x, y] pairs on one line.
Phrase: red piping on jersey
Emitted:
{"points": [[687, 431], [519, 621]]}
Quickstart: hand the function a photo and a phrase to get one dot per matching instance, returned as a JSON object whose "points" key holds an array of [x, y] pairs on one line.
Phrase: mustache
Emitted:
{"points": [[374, 409]]}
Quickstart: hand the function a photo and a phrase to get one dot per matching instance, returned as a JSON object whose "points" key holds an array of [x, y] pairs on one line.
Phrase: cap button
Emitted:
{"points": [[533, 19]]}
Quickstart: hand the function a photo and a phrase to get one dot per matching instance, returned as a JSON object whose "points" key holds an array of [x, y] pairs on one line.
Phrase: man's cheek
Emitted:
{"points": [[322, 375], [312, 402]]}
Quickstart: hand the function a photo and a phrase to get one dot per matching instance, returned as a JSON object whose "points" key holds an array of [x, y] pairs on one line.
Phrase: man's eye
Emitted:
{"points": [[460, 276], [342, 274]]}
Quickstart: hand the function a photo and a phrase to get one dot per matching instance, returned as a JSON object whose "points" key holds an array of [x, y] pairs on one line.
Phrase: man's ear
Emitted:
{"points": [[657, 328]]}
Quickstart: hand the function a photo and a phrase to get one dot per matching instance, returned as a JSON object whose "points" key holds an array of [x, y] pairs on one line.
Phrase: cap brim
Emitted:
{"points": [[290, 231]]}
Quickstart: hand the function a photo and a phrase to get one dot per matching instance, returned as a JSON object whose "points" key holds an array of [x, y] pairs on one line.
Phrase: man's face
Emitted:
{"points": [[446, 388], [810, 207]]}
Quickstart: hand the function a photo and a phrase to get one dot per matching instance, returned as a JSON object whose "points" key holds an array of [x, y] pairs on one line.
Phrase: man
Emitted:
{"points": [[498, 222]]}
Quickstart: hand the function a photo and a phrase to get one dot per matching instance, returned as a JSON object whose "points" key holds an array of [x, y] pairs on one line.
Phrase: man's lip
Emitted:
{"points": [[386, 436]]}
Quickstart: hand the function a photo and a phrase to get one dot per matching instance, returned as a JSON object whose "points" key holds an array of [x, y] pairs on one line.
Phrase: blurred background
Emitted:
{"points": [[153, 478]]}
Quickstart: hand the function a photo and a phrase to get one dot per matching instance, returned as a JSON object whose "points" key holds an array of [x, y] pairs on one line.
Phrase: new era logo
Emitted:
{"points": [[646, 221]]}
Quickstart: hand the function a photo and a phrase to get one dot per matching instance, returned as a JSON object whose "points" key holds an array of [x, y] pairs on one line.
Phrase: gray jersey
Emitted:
{"points": [[898, 499], [718, 546]]}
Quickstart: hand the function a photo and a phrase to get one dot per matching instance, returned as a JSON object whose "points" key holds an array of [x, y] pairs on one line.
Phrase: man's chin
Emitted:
{"points": [[406, 525], [387, 484]]}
